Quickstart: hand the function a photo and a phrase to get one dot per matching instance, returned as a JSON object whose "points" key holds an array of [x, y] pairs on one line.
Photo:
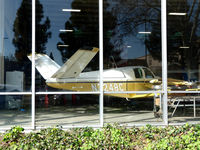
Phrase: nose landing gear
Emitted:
{"points": [[157, 107]]}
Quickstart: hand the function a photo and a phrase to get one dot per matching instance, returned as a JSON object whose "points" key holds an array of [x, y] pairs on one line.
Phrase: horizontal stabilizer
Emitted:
{"points": [[75, 64], [45, 65]]}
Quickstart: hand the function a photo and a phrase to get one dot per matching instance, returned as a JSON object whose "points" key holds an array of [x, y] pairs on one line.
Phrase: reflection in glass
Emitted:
{"points": [[15, 110], [63, 110], [132, 59], [183, 41], [132, 38], [184, 107], [68, 33], [137, 111], [15, 44]]}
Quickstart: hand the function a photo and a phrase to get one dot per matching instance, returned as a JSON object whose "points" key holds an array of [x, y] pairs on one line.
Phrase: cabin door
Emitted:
{"points": [[137, 82]]}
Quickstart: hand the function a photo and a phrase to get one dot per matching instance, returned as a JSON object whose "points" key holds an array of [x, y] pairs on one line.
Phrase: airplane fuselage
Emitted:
{"points": [[70, 77], [114, 80]]}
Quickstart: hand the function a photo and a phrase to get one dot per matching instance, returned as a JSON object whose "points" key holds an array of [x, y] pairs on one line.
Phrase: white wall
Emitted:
{"points": [[14, 81]]}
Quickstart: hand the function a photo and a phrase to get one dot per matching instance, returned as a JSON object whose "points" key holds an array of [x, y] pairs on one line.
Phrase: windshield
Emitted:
{"points": [[148, 73], [138, 72]]}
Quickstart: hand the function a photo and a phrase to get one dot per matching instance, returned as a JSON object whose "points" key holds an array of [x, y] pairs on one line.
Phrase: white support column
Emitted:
{"points": [[101, 61], [2, 28], [164, 58], [33, 63]]}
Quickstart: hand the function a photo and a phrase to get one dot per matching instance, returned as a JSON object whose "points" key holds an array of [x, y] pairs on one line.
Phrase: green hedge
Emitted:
{"points": [[109, 137]]}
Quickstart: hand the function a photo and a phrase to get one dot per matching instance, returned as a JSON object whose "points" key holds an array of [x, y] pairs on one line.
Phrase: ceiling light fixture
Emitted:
{"points": [[63, 30], [63, 45], [72, 10], [177, 14], [142, 32], [184, 47]]}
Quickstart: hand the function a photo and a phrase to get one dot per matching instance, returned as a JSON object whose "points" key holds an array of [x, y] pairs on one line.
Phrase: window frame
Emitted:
{"points": [[164, 92]]}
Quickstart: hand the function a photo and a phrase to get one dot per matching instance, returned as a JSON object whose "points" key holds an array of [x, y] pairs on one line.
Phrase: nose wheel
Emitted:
{"points": [[157, 107]]}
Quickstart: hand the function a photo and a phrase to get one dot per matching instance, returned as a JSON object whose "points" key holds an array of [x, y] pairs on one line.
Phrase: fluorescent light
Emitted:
{"points": [[144, 32], [72, 10], [129, 46], [63, 30], [63, 45], [177, 14], [184, 47]]}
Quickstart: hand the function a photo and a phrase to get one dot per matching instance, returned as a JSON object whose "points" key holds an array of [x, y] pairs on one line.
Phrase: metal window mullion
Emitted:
{"points": [[188, 92], [133, 92], [164, 58], [33, 62], [16, 93], [65, 93], [2, 18], [101, 60]]}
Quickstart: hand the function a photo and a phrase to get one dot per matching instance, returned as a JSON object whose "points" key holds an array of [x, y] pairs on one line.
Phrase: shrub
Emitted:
{"points": [[108, 137]]}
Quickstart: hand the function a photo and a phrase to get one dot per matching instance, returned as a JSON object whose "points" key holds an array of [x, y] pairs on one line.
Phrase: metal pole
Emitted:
{"points": [[194, 105], [33, 63], [2, 26], [164, 58], [101, 61]]}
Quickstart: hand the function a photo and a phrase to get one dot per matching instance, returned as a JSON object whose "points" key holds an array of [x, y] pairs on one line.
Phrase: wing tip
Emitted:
{"points": [[95, 49]]}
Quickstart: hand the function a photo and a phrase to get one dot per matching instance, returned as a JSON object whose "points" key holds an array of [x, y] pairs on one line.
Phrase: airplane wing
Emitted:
{"points": [[75, 65], [176, 84]]}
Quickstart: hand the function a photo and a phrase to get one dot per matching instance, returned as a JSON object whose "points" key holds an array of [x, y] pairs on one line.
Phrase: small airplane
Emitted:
{"points": [[132, 78], [70, 76]]}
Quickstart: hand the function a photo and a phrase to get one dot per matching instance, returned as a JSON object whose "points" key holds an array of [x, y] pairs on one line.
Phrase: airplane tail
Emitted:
{"points": [[75, 64], [45, 65], [71, 69]]}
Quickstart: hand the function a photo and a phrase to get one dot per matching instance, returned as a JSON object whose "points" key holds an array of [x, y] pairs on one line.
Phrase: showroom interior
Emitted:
{"points": [[92, 62]]}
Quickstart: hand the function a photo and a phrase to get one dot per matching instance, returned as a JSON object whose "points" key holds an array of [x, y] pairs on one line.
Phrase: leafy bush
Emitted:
{"points": [[108, 137]]}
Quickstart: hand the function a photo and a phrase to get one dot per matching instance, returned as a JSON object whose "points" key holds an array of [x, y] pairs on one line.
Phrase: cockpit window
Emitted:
{"points": [[138, 72], [148, 74]]}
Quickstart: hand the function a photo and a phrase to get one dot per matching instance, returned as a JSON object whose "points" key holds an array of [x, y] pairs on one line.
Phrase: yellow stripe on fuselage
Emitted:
{"points": [[107, 86]]}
